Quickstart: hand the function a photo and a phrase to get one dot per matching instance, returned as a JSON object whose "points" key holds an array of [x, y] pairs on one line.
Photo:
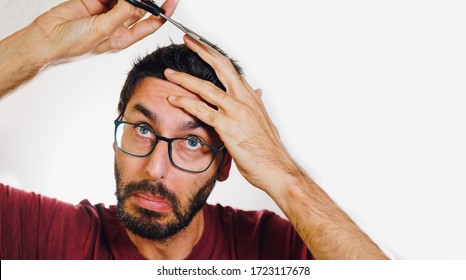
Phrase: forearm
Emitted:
{"points": [[254, 144], [327, 231], [22, 55]]}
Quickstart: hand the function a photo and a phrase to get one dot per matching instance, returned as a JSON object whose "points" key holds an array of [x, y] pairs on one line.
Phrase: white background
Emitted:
{"points": [[368, 97]]}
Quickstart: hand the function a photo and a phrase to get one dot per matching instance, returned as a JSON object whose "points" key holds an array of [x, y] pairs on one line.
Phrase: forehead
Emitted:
{"points": [[152, 94], [156, 91], [149, 100]]}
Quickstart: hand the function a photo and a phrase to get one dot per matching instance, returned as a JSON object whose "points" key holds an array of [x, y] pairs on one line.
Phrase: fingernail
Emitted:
{"points": [[170, 71], [171, 98]]}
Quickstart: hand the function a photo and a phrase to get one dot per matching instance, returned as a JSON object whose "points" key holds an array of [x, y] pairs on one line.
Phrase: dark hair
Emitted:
{"points": [[174, 56]]}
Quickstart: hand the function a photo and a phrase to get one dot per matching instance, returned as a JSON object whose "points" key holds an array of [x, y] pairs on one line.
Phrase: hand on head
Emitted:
{"points": [[241, 119]]}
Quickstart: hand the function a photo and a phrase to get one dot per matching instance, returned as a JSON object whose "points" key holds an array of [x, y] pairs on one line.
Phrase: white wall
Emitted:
{"points": [[368, 96]]}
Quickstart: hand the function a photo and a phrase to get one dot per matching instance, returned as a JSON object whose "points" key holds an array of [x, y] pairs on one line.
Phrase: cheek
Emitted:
{"points": [[203, 179], [180, 182], [186, 185], [129, 168]]}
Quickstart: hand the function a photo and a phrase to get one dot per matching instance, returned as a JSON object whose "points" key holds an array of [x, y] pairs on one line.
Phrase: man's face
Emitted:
{"points": [[156, 199]]}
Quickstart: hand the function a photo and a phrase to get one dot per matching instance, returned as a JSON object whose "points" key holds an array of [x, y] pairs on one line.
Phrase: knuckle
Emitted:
{"points": [[205, 112], [138, 13], [213, 89], [211, 117], [218, 93], [209, 85], [128, 10], [201, 107], [222, 61], [225, 60]]}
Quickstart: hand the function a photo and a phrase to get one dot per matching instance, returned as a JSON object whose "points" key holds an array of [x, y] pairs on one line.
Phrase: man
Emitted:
{"points": [[185, 113]]}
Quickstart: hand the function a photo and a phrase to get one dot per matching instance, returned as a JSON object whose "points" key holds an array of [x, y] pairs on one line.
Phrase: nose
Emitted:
{"points": [[158, 162]]}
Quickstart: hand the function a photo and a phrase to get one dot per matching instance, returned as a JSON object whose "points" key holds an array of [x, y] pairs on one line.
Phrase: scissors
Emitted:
{"points": [[151, 7]]}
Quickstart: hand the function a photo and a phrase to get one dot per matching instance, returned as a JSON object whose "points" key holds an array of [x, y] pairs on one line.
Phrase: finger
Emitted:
{"points": [[138, 15], [123, 37], [247, 84], [122, 11], [197, 108], [226, 72], [153, 23], [107, 23], [169, 7], [96, 7], [233, 81], [205, 89]]}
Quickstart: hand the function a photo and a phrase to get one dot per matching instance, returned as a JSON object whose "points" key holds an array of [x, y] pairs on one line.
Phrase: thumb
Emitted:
{"points": [[106, 24]]}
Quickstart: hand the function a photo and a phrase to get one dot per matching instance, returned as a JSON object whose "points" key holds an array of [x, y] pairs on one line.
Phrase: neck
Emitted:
{"points": [[176, 247]]}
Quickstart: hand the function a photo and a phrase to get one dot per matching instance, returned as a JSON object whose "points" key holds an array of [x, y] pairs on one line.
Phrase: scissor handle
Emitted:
{"points": [[148, 6]]}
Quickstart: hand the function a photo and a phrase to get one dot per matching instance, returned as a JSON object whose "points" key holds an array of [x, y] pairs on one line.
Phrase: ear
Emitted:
{"points": [[224, 170]]}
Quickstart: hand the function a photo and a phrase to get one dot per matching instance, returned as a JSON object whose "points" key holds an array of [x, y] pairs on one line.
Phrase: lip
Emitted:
{"points": [[152, 202]]}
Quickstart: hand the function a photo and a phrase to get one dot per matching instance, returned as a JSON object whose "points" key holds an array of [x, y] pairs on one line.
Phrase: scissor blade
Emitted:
{"points": [[191, 33]]}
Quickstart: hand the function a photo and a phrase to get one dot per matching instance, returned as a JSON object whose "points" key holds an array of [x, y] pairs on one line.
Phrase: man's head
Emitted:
{"points": [[157, 194]]}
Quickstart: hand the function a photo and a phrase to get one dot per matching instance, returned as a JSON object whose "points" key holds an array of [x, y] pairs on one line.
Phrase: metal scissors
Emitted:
{"points": [[151, 7]]}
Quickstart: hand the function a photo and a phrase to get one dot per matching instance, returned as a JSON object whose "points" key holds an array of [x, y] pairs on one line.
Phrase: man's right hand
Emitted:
{"points": [[77, 27], [72, 29]]}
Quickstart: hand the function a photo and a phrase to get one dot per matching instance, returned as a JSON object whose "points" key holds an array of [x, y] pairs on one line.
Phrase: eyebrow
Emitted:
{"points": [[189, 125], [182, 126], [148, 114]]}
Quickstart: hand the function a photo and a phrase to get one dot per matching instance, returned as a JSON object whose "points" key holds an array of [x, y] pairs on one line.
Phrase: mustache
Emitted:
{"points": [[156, 189]]}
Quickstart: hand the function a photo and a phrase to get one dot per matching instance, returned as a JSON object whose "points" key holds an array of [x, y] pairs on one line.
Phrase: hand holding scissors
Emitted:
{"points": [[151, 7]]}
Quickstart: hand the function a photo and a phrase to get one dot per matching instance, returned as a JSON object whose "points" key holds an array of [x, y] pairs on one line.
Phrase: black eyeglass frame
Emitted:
{"points": [[214, 149]]}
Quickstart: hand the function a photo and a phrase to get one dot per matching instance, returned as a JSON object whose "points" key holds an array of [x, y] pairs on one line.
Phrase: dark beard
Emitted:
{"points": [[145, 222]]}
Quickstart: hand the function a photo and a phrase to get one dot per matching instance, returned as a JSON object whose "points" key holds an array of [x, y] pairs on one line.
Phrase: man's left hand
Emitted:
{"points": [[241, 120]]}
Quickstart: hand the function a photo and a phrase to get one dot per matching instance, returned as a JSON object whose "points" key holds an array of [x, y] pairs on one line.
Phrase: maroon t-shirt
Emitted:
{"points": [[33, 226]]}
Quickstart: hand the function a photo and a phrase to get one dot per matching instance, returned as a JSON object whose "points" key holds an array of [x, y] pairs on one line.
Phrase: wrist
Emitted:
{"points": [[35, 46], [26, 49], [22, 56], [288, 184]]}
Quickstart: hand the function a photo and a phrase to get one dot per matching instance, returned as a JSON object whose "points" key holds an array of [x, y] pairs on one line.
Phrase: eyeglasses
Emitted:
{"points": [[188, 154]]}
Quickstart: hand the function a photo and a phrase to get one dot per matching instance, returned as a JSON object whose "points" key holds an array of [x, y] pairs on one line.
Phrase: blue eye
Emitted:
{"points": [[143, 131], [193, 143]]}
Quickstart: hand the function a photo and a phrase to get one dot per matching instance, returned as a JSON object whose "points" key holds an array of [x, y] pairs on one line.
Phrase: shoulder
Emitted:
{"points": [[40, 227], [253, 220], [37, 207], [252, 234]]}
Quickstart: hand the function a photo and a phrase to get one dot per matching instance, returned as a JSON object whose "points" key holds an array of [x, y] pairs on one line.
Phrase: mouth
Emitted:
{"points": [[152, 202]]}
